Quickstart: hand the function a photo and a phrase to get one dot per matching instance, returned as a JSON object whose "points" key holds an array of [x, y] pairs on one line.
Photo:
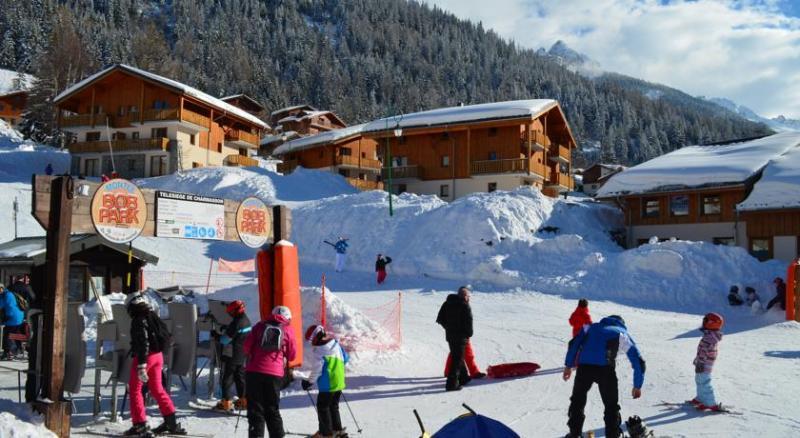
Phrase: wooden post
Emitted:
{"points": [[530, 147], [56, 411], [141, 104], [281, 222], [92, 111]]}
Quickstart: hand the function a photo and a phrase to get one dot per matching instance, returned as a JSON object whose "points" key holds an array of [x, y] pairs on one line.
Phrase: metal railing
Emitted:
{"points": [[120, 145]]}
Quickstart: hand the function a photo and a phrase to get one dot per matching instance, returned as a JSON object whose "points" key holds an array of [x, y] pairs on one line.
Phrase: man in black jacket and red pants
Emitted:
{"points": [[455, 316]]}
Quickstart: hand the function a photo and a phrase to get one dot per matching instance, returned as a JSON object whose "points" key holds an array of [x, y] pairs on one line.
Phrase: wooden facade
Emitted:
{"points": [[684, 207], [354, 157], [305, 120], [12, 106]]}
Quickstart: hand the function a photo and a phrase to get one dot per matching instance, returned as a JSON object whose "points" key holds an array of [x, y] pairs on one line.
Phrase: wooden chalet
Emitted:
{"points": [[12, 105], [344, 151], [452, 152], [140, 124], [305, 120], [596, 175], [248, 104], [698, 193]]}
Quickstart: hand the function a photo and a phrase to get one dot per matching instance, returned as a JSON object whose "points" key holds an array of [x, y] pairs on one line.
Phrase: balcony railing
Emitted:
{"points": [[562, 180], [241, 136], [72, 120], [197, 119], [401, 172], [561, 155], [511, 165], [287, 166], [159, 114], [540, 169], [539, 141], [240, 160], [138, 144], [364, 163], [361, 184]]}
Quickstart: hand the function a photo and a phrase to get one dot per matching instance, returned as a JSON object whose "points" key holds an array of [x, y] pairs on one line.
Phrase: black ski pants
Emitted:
{"points": [[458, 374], [232, 374], [263, 405], [606, 379], [328, 412], [777, 300]]}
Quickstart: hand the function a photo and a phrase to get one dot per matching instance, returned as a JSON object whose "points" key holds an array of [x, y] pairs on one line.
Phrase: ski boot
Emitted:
{"points": [[170, 426], [319, 435], [138, 429], [636, 428], [340, 433], [478, 376], [695, 402], [240, 404], [224, 405]]}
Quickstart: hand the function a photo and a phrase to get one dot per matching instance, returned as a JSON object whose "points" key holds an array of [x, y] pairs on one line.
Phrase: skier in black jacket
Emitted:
{"points": [[780, 294], [149, 338], [233, 335], [455, 316], [380, 267]]}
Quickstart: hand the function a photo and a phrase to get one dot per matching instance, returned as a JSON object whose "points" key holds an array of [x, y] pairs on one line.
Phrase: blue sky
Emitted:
{"points": [[744, 50]]}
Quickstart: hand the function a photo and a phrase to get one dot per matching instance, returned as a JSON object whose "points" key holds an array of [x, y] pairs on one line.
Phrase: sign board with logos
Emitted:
{"points": [[118, 211], [252, 222], [188, 216]]}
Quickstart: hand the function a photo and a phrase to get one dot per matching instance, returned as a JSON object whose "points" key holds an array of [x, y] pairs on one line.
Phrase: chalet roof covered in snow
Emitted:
{"points": [[779, 185], [11, 81], [33, 249], [169, 83], [701, 166], [278, 137], [464, 114], [292, 108], [326, 137]]}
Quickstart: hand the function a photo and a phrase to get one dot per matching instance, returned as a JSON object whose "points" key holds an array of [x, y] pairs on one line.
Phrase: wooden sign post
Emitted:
{"points": [[63, 206]]}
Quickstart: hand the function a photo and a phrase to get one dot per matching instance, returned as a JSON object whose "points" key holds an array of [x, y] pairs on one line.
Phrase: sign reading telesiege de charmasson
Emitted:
{"points": [[188, 216], [119, 211], [252, 222]]}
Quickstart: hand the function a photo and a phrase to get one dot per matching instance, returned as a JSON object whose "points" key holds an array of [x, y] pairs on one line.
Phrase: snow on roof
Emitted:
{"points": [[779, 185], [290, 108], [281, 136], [185, 89], [461, 114], [326, 137], [305, 115], [9, 81], [699, 166], [30, 247]]}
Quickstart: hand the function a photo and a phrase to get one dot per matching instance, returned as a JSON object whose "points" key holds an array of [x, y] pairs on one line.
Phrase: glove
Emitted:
{"points": [[306, 385], [141, 370], [699, 368]]}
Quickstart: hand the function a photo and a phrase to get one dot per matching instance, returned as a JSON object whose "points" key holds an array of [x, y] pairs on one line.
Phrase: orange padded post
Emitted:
{"points": [[265, 283], [287, 290], [792, 291]]}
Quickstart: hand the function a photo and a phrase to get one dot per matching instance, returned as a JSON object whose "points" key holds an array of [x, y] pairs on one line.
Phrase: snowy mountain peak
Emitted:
{"points": [[779, 123], [572, 59]]}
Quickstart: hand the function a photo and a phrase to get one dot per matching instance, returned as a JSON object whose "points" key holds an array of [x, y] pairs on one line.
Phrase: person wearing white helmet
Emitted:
{"points": [[269, 346]]}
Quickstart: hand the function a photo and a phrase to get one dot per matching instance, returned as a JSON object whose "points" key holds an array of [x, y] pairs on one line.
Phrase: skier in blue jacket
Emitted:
{"points": [[341, 252], [12, 319], [594, 353]]}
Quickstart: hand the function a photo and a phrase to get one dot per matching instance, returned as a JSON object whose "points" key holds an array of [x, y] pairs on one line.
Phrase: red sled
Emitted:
{"points": [[512, 370]]}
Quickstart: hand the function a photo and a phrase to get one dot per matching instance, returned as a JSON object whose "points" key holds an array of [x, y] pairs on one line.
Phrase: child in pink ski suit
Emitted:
{"points": [[704, 362]]}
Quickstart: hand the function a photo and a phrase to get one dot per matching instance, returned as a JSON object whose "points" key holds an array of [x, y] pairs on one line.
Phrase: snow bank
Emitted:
{"points": [[19, 158], [779, 186], [9, 79], [696, 166], [18, 421]]}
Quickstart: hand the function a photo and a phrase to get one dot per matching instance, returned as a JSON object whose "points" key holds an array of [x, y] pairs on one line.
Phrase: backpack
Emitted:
{"points": [[272, 338], [160, 332], [22, 303]]}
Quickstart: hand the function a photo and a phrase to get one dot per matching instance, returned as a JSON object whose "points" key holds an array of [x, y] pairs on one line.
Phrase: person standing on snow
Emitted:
{"points": [[328, 373], [733, 297], [580, 317], [12, 316], [149, 338], [455, 316], [780, 294], [341, 252], [594, 352], [269, 346], [469, 360], [233, 335], [49, 169], [704, 362], [380, 267], [752, 299]]}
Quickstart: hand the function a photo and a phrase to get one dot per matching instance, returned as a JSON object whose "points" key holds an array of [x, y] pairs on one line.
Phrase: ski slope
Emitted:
{"points": [[529, 258]]}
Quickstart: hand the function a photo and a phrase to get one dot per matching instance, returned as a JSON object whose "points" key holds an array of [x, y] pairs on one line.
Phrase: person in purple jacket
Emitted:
{"points": [[269, 346], [704, 362]]}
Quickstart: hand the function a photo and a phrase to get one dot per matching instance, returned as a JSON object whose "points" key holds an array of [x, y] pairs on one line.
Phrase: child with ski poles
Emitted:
{"points": [[232, 338], [704, 362], [327, 372], [341, 252]]}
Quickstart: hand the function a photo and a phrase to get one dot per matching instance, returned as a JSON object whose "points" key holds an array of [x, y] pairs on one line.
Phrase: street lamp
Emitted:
{"points": [[398, 132]]}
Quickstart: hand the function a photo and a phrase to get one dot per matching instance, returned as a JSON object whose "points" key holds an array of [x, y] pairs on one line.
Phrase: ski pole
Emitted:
{"points": [[311, 399], [351, 413], [238, 417]]}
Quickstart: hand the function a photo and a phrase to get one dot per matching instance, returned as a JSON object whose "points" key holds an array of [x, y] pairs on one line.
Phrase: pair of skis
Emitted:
{"points": [[689, 404], [114, 433]]}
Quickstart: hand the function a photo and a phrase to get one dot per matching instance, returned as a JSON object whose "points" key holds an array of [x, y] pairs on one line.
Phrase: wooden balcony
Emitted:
{"points": [[540, 169], [363, 185], [198, 119], [559, 156], [240, 160], [511, 165], [241, 137], [561, 180], [403, 172], [287, 166], [119, 145], [539, 142], [157, 115], [73, 120], [354, 161]]}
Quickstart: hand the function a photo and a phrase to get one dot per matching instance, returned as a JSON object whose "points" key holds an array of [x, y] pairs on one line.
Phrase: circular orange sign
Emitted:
{"points": [[253, 222], [119, 211]]}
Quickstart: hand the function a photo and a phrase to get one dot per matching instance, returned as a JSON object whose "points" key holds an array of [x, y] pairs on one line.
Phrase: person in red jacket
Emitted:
{"points": [[580, 317], [269, 346]]}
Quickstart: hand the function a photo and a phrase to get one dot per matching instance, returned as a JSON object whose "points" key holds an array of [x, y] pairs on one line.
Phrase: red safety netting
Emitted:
{"points": [[387, 336], [194, 280]]}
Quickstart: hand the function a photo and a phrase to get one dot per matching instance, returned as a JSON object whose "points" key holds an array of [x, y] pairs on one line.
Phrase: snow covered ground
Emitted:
{"points": [[529, 257]]}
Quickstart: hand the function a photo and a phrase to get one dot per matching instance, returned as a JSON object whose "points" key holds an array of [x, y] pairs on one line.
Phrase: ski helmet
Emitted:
{"points": [[136, 303], [235, 308], [283, 311], [734, 289], [313, 332], [777, 280], [713, 321], [749, 290], [618, 318]]}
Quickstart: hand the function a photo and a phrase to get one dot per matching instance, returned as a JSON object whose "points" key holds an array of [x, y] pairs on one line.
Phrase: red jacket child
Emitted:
{"points": [[580, 317]]}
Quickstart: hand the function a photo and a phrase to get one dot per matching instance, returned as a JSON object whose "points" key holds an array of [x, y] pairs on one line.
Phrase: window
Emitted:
{"points": [[135, 135], [712, 204], [159, 104], [91, 167], [243, 152], [192, 139], [445, 161], [400, 161], [158, 132], [363, 155], [401, 140], [444, 191], [133, 109], [650, 207], [727, 241], [492, 132], [343, 172], [92, 136], [401, 188], [195, 165], [322, 153], [121, 111], [527, 182], [158, 165], [492, 187], [679, 205], [640, 242], [346, 152], [493, 155], [1, 107], [219, 146], [118, 136], [761, 248], [131, 164]]}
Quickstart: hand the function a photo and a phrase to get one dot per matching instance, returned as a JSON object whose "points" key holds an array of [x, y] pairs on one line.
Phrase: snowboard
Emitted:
{"points": [[688, 404]]}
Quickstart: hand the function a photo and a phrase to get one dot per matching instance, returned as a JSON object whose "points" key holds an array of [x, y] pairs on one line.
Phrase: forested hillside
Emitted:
{"points": [[361, 58]]}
